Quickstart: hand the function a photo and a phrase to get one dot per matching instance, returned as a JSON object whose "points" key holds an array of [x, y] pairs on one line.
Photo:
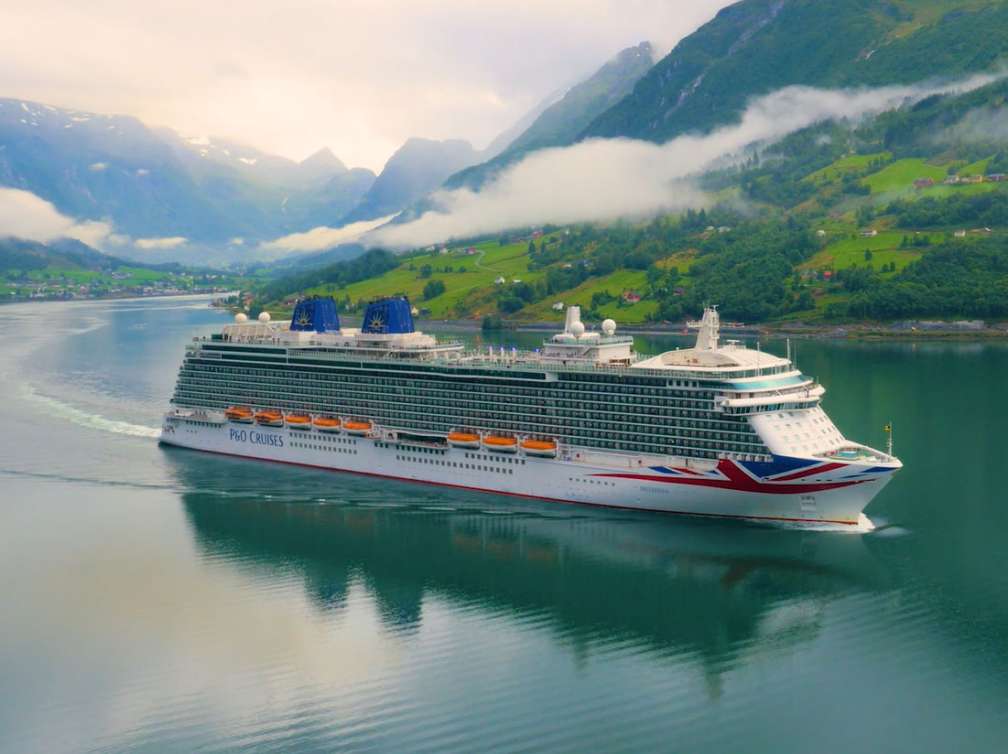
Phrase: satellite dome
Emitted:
{"points": [[577, 329], [241, 317], [609, 327], [264, 317]]}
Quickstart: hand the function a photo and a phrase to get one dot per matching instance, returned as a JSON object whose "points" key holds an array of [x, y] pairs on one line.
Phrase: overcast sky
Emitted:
{"points": [[359, 76]]}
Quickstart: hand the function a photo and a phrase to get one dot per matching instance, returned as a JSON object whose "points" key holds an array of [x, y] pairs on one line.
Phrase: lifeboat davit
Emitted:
{"points": [[298, 421], [500, 443], [359, 428], [327, 424], [464, 439], [543, 448], [270, 418], [240, 414]]}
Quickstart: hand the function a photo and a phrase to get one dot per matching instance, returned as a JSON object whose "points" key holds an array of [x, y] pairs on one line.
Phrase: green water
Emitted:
{"points": [[164, 600]]}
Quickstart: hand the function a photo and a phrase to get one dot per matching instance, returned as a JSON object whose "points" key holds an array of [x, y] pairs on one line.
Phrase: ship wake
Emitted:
{"points": [[61, 410]]}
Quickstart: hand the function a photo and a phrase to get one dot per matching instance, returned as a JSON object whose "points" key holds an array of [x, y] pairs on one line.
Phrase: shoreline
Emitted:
{"points": [[909, 329], [922, 330], [129, 297]]}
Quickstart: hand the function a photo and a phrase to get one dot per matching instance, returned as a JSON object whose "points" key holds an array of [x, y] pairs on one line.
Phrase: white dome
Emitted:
{"points": [[264, 317], [609, 327], [241, 317], [577, 329]]}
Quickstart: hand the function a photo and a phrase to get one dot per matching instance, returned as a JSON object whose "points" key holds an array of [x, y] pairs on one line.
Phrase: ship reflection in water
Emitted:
{"points": [[717, 592]]}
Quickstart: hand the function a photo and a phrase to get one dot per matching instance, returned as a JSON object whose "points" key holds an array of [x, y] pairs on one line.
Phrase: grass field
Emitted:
{"points": [[969, 189], [480, 272], [899, 176], [853, 163], [976, 168], [847, 252], [615, 283]]}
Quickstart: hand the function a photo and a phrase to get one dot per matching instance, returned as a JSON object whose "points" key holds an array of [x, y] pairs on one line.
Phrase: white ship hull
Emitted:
{"points": [[817, 492]]}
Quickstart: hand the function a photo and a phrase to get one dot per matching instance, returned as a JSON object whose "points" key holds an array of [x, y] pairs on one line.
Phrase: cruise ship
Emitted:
{"points": [[717, 429]]}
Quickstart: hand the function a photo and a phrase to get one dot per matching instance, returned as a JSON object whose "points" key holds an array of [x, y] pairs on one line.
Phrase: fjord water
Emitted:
{"points": [[163, 600]]}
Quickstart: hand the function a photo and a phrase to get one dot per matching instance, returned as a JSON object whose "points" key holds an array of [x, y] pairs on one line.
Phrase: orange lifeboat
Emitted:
{"points": [[299, 421], [359, 428], [269, 418], [543, 448], [328, 424], [500, 443], [240, 414], [464, 439]]}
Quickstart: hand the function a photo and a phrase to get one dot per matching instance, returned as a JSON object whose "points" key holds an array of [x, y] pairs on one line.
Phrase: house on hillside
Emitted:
{"points": [[923, 183], [973, 179], [537, 234], [960, 234], [951, 180], [631, 297], [870, 233], [499, 281], [558, 306], [996, 177]]}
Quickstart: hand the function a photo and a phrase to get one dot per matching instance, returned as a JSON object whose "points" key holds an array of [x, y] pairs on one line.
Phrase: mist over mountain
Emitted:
{"points": [[563, 121], [418, 167], [155, 184]]}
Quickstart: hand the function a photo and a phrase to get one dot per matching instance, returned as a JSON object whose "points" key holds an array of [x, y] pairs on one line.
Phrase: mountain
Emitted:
{"points": [[562, 121], [154, 183], [418, 167], [757, 46], [18, 254], [507, 137]]}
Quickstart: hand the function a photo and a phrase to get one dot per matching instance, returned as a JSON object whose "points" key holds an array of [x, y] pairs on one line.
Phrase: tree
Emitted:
{"points": [[433, 289], [426, 271]]}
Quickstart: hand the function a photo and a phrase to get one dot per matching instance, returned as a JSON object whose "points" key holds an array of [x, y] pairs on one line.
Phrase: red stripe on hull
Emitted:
{"points": [[374, 475], [810, 472], [739, 481]]}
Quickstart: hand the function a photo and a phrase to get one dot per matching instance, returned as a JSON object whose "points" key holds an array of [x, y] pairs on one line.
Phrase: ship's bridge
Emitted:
{"points": [[730, 356], [709, 355]]}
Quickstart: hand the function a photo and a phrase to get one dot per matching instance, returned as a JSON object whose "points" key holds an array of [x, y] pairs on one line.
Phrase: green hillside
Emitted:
{"points": [[757, 46], [900, 215]]}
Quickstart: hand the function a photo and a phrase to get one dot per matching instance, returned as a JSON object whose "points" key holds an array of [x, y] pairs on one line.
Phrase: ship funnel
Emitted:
{"points": [[573, 317], [707, 338]]}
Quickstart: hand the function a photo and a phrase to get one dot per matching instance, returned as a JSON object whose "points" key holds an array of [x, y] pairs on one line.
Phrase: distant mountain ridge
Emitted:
{"points": [[155, 183], [418, 167], [18, 254]]}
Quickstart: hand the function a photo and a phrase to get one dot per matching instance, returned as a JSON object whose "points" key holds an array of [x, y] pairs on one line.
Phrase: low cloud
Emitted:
{"points": [[25, 215], [982, 125], [169, 242], [605, 179], [322, 237]]}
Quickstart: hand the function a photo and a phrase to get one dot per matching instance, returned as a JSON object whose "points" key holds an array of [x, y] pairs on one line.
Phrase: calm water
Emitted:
{"points": [[162, 600]]}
